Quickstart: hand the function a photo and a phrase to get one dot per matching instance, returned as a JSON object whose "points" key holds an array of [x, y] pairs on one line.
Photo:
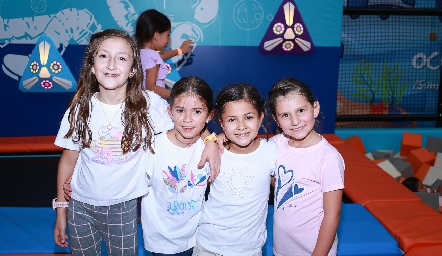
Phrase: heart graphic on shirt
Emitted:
{"points": [[296, 189], [284, 177]]}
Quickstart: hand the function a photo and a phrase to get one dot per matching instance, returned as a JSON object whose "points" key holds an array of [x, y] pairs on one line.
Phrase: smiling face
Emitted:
{"points": [[240, 122], [113, 64], [190, 115], [296, 117]]}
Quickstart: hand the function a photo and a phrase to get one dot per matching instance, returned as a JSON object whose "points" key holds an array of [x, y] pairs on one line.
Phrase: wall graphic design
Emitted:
{"points": [[227, 35], [46, 70], [287, 33]]}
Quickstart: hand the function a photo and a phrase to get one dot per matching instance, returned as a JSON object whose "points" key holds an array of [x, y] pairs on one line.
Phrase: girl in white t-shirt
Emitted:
{"points": [[106, 135], [170, 212], [233, 221], [310, 177]]}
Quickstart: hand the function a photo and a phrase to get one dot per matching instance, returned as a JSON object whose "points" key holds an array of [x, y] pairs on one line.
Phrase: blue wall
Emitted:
{"points": [[227, 35]]}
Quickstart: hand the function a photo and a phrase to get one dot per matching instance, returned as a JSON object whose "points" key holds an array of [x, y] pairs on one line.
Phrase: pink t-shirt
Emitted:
{"points": [[301, 178]]}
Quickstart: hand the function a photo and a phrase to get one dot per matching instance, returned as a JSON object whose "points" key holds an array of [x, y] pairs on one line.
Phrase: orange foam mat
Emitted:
{"points": [[365, 193], [28, 144], [412, 223], [365, 181], [333, 138], [425, 251], [357, 143]]}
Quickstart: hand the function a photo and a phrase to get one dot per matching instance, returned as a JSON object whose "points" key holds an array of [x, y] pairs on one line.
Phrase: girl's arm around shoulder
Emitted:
{"points": [[157, 112], [210, 154], [279, 138], [271, 152], [273, 145]]}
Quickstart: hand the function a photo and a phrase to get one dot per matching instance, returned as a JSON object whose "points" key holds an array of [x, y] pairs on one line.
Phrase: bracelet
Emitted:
{"points": [[210, 137], [56, 204], [179, 51]]}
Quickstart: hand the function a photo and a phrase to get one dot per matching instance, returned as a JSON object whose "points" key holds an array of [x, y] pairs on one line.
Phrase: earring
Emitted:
{"points": [[131, 75]]}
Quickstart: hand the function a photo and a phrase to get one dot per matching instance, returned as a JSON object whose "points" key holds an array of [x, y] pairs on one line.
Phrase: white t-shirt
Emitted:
{"points": [[171, 211], [302, 176], [234, 217], [103, 175]]}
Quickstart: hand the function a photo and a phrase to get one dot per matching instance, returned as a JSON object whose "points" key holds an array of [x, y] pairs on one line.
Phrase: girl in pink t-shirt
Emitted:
{"points": [[309, 179]]}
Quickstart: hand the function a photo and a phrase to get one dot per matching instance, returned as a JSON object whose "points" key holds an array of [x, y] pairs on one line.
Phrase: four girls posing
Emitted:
{"points": [[122, 143]]}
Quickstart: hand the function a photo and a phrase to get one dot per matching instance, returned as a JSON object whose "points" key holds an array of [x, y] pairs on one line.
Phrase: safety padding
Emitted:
{"points": [[356, 142], [412, 223], [32, 144], [333, 138], [424, 251], [365, 181], [360, 233], [410, 141], [420, 156], [35, 144]]}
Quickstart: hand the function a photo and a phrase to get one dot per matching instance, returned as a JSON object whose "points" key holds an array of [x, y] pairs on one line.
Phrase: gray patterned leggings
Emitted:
{"points": [[116, 224]]}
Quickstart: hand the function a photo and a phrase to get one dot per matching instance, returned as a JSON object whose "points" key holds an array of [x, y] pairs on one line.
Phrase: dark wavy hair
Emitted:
{"points": [[134, 118], [149, 22]]}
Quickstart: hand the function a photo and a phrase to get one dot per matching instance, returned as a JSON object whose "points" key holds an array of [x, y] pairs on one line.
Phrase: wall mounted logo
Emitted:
{"points": [[46, 70], [287, 33]]}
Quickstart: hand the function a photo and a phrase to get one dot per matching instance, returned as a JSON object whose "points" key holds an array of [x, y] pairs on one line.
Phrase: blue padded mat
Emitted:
{"points": [[360, 233], [29, 230]]}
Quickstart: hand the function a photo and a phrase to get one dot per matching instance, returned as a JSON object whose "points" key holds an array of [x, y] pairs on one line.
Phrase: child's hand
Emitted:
{"points": [[60, 236], [221, 140], [67, 188], [187, 46], [212, 155]]}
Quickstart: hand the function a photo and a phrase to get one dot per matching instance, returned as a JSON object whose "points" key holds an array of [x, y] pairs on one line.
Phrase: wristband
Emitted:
{"points": [[210, 137], [56, 204], [179, 51]]}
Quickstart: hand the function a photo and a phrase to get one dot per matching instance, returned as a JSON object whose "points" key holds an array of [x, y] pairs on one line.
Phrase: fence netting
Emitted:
{"points": [[390, 67]]}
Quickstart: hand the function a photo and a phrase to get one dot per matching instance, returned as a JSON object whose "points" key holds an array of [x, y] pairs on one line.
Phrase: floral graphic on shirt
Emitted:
{"points": [[107, 147], [197, 180], [180, 185], [285, 187], [238, 180]]}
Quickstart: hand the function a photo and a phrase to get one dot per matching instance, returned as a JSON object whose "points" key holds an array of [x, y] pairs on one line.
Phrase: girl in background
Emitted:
{"points": [[152, 34], [233, 221], [309, 179], [171, 210]]}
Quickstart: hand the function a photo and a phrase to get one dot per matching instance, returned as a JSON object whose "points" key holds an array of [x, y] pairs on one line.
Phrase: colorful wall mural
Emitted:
{"points": [[227, 35]]}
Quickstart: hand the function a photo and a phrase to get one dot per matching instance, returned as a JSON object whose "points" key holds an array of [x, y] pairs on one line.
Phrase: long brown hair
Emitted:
{"points": [[134, 118]]}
